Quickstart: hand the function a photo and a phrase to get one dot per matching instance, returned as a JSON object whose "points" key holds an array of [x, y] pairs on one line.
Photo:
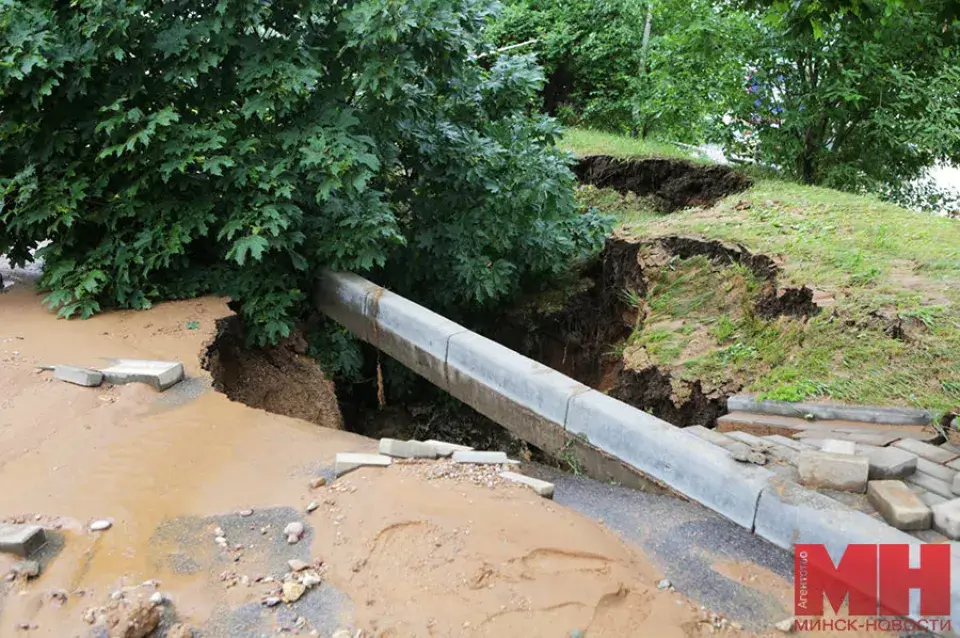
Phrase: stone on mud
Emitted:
{"points": [[543, 488], [407, 449], [445, 449], [26, 568], [481, 458], [137, 620], [293, 591]]}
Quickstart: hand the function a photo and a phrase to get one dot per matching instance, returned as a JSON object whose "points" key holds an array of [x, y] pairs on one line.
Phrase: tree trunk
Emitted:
{"points": [[646, 38]]}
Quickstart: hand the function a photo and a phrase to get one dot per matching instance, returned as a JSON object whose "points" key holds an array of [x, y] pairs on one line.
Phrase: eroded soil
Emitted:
{"points": [[673, 184]]}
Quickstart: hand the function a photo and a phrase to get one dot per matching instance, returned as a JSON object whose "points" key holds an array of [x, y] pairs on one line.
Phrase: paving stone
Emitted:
{"points": [[749, 439], [871, 437], [888, 462], [159, 374], [950, 447], [445, 449], [87, 377], [407, 449], [793, 444], [836, 446], [929, 498], [936, 470], [783, 453], [710, 436], [926, 451], [955, 464], [543, 488], [845, 472], [21, 540], [931, 484], [27, 568], [946, 519], [347, 461], [955, 486], [899, 506], [481, 458]]}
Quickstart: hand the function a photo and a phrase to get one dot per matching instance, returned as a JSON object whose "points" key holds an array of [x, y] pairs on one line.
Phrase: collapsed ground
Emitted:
{"points": [[714, 283]]}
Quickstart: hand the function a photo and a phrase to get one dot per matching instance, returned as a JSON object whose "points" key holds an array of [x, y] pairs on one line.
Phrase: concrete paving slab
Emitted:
{"points": [[936, 470], [864, 413], [482, 458], [159, 374], [836, 446], [407, 449], [931, 484], [946, 518], [845, 472], [926, 451], [347, 461], [21, 540], [445, 449], [86, 377], [888, 462], [543, 488]]}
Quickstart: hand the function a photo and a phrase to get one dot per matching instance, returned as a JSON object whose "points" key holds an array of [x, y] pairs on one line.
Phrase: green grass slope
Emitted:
{"points": [[887, 280]]}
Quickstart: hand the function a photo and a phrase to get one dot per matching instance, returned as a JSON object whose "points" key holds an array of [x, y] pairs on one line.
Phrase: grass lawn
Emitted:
{"points": [[871, 265]]}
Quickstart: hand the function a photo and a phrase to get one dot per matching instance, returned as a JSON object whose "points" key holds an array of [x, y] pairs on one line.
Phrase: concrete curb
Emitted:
{"points": [[830, 411], [558, 414]]}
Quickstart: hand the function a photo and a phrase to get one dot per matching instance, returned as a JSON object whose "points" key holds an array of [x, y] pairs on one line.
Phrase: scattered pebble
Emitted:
{"points": [[293, 531], [317, 482], [246, 513], [663, 584], [786, 626], [90, 616], [271, 601], [219, 532], [180, 631], [312, 507], [292, 591], [101, 525], [157, 598], [297, 565], [26, 568], [311, 579]]}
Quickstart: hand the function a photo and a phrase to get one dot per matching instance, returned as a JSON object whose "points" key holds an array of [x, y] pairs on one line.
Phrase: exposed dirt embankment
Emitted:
{"points": [[674, 184], [608, 331], [282, 379]]}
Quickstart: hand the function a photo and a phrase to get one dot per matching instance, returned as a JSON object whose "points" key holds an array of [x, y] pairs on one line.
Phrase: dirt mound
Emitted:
{"points": [[675, 184], [282, 380]]}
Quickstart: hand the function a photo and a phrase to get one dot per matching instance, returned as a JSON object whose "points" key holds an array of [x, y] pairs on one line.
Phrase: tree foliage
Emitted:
{"points": [[168, 148], [854, 100], [600, 74]]}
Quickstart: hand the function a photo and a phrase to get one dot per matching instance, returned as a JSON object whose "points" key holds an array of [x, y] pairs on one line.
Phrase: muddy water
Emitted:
{"points": [[69, 455], [409, 552]]}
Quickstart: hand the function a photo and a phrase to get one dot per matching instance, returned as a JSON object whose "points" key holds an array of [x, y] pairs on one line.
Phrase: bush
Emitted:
{"points": [[173, 148]]}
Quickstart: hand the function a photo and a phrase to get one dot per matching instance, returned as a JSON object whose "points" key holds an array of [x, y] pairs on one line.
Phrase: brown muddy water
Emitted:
{"points": [[410, 550]]}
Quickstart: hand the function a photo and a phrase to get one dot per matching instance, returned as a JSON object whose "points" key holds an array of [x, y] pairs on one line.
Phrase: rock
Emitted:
{"points": [[220, 540], [90, 616], [21, 540], [297, 565], [159, 374], [246, 513], [292, 591], [85, 377], [271, 601], [293, 531], [342, 633], [219, 532], [898, 505], [59, 596], [663, 584], [844, 472], [317, 482], [786, 626], [312, 507], [955, 487], [576, 633], [180, 631], [137, 620], [311, 579], [26, 568], [100, 525], [156, 598]]}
